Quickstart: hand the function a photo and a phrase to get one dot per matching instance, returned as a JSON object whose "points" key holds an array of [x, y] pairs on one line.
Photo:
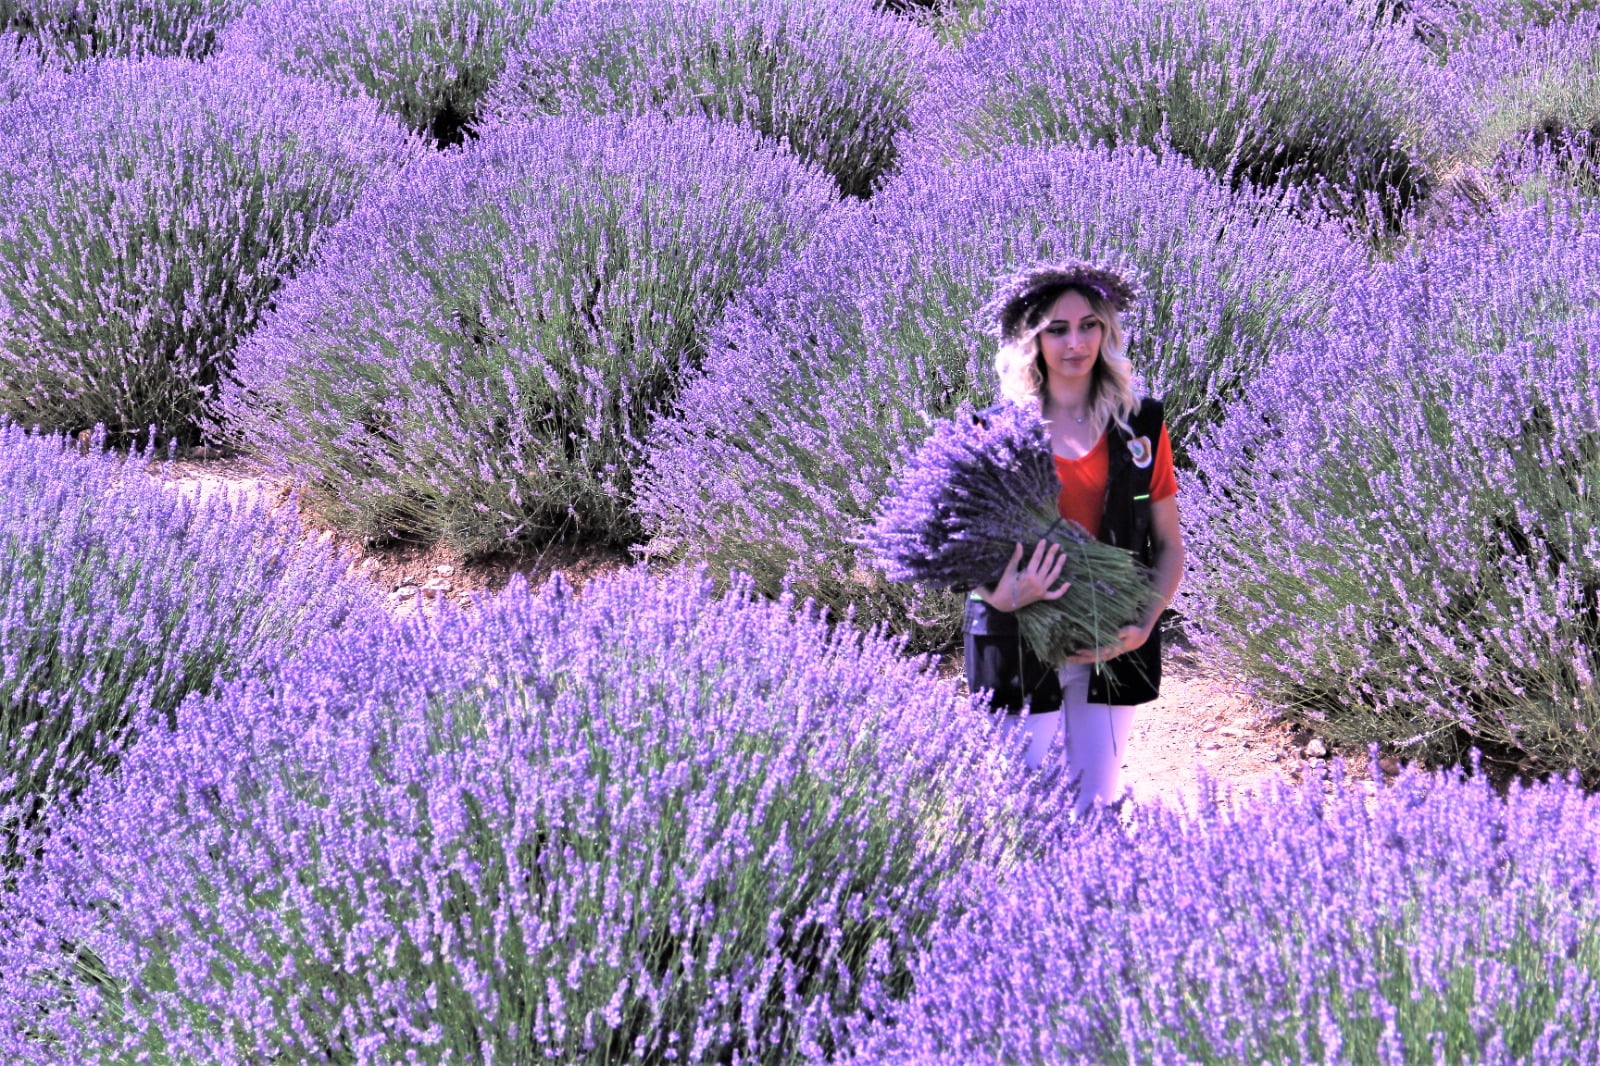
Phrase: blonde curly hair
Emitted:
{"points": [[1021, 368]]}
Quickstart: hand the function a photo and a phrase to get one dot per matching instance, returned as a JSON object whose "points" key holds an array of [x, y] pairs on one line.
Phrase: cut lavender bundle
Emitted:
{"points": [[966, 497]]}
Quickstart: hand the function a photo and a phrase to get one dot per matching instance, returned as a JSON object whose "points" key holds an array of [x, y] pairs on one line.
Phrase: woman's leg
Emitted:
{"points": [[1041, 730], [1095, 738]]}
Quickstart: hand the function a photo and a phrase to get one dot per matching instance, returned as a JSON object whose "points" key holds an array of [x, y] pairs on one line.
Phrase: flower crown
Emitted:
{"points": [[1019, 296]]}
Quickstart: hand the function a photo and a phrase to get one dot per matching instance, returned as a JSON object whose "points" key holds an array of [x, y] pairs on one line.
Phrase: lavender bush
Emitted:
{"points": [[832, 79], [478, 349], [1397, 537], [429, 62], [1431, 922], [119, 594], [84, 30], [643, 824], [147, 215], [816, 382], [968, 495], [1312, 94], [1532, 89]]}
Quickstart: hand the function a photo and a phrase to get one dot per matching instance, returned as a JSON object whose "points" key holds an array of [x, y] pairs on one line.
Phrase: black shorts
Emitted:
{"points": [[1000, 662]]}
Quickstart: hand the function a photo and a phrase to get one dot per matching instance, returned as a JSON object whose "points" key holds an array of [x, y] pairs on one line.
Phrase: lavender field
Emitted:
{"points": [[687, 281]]}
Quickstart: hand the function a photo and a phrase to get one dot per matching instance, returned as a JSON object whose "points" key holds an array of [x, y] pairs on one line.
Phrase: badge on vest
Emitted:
{"points": [[1143, 454]]}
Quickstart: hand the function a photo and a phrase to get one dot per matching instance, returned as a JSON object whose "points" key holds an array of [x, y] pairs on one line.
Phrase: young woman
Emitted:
{"points": [[1061, 349]]}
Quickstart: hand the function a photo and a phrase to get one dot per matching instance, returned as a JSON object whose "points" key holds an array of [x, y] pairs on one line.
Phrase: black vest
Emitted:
{"points": [[999, 660]]}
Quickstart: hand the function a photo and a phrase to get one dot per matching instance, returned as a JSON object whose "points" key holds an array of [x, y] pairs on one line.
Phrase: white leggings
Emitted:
{"points": [[1094, 738]]}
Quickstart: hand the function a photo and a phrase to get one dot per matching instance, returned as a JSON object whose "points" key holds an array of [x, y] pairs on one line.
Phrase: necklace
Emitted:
{"points": [[1075, 418]]}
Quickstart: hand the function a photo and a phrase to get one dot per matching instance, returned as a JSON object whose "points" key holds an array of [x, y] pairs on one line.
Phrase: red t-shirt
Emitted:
{"points": [[1083, 481]]}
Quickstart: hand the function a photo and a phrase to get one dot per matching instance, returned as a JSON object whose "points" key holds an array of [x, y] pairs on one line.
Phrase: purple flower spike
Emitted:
{"points": [[1313, 94], [77, 31], [1314, 924], [1395, 532], [24, 70], [1448, 26], [428, 62], [1530, 103]]}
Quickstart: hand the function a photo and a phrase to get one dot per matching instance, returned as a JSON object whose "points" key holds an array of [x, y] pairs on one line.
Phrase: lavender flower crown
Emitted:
{"points": [[1020, 297]]}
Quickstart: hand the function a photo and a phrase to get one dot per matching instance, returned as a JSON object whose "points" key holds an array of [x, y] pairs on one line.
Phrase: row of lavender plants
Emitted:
{"points": [[662, 326], [147, 283], [509, 835]]}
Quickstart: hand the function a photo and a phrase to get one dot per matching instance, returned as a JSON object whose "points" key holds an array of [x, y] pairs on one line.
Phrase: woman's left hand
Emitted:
{"points": [[1128, 639]]}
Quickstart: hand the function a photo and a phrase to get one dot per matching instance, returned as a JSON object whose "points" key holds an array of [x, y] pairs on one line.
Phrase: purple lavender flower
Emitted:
{"points": [[831, 79], [1446, 26], [1429, 920], [120, 595], [644, 823], [965, 498], [1313, 94], [478, 350], [148, 212], [1531, 97], [426, 61]]}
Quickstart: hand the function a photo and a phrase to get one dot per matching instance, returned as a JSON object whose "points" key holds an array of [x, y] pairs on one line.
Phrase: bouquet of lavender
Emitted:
{"points": [[964, 499]]}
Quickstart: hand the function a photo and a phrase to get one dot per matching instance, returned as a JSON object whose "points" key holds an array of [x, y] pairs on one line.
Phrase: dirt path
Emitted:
{"points": [[1200, 721]]}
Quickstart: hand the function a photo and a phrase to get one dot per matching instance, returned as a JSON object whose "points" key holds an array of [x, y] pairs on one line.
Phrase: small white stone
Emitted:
{"points": [[1316, 749], [404, 592], [444, 569]]}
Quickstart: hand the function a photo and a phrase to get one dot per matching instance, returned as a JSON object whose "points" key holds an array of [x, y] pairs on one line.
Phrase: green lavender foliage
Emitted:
{"points": [[23, 70], [980, 485], [1531, 90], [1311, 94], [427, 62], [1429, 920], [1447, 26], [479, 350], [646, 823], [833, 80], [80, 31]]}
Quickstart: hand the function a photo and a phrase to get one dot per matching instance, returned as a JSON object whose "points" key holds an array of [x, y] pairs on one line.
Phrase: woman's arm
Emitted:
{"points": [[1168, 535], [1167, 532]]}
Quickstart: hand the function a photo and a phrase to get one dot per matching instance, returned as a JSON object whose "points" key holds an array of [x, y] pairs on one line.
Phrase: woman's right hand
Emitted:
{"points": [[1017, 589]]}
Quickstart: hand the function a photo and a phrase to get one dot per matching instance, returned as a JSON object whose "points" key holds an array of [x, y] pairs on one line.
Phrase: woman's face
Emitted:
{"points": [[1070, 341]]}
